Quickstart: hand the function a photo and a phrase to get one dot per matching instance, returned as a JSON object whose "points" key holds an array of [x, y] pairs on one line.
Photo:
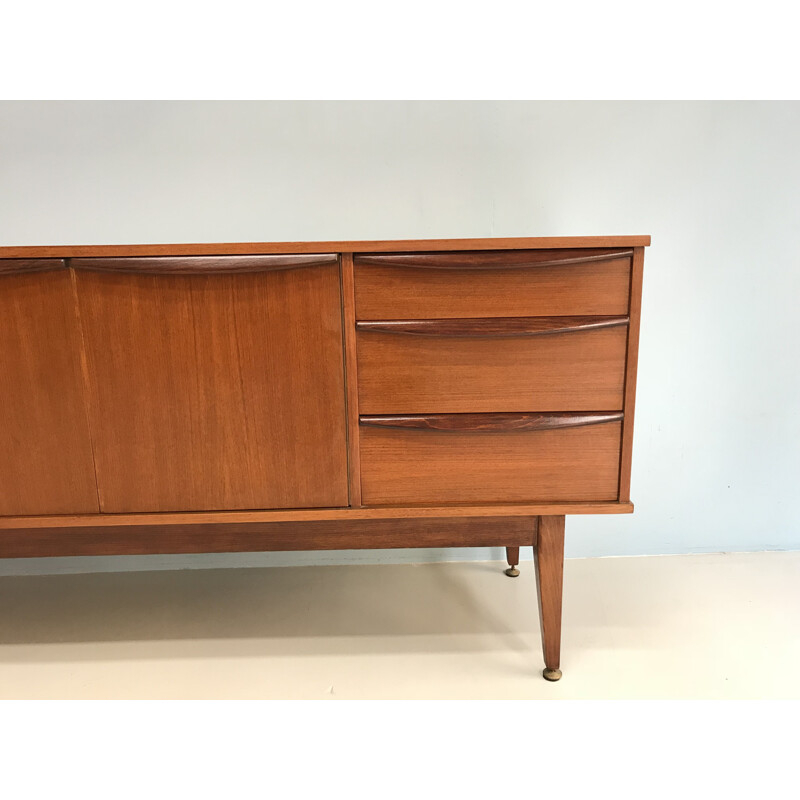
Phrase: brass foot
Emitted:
{"points": [[552, 674], [512, 572]]}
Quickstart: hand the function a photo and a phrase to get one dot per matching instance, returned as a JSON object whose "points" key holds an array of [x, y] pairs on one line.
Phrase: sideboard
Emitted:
{"points": [[212, 398]]}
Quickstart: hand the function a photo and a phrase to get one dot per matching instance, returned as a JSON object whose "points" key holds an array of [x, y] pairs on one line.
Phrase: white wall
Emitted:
{"points": [[717, 184]]}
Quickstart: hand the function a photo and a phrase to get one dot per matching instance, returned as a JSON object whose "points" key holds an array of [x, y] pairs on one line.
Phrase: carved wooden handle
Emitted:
{"points": [[512, 259], [15, 266], [490, 327], [492, 423], [202, 265]]}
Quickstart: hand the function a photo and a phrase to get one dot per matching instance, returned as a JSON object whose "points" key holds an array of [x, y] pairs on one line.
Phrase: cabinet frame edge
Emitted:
{"points": [[631, 369]]}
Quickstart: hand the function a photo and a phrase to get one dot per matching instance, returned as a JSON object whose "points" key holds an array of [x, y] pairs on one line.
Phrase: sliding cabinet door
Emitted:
{"points": [[45, 451], [215, 383]]}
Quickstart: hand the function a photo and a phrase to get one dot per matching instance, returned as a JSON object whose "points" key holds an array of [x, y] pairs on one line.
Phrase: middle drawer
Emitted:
{"points": [[491, 365]]}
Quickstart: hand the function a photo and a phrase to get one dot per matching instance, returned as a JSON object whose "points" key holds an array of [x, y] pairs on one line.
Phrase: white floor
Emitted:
{"points": [[700, 626]]}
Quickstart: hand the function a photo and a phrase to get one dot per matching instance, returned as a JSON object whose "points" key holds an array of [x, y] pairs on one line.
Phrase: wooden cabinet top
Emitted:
{"points": [[378, 246]]}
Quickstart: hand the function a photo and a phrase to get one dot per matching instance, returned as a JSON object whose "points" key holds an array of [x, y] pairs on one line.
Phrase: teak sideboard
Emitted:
{"points": [[318, 395]]}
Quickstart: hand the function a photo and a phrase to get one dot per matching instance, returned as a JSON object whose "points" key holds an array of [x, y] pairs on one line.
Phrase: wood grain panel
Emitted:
{"points": [[492, 423], [312, 515], [516, 259], [563, 289], [203, 265], [549, 566], [379, 245], [258, 537], [497, 327], [637, 275], [10, 266], [575, 371], [216, 392], [420, 466], [45, 451], [351, 379]]}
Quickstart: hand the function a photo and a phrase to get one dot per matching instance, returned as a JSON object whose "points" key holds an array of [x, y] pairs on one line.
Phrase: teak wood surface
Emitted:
{"points": [[46, 462], [434, 466], [399, 290], [226, 537], [491, 423], [351, 380], [498, 327], [462, 260], [344, 246], [635, 312], [580, 370], [17, 266], [549, 565], [313, 514], [202, 265], [318, 395], [216, 391]]}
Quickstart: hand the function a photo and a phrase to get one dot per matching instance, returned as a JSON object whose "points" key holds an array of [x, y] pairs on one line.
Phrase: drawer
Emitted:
{"points": [[506, 364], [492, 284], [490, 458]]}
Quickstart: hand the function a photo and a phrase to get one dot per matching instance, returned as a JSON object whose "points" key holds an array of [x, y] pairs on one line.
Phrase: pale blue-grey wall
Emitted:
{"points": [[717, 184]]}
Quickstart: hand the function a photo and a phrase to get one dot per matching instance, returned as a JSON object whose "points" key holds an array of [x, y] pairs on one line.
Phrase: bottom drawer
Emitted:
{"points": [[490, 458]]}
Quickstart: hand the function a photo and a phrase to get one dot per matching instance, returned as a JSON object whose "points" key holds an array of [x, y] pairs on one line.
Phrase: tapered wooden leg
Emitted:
{"points": [[549, 560], [512, 556]]}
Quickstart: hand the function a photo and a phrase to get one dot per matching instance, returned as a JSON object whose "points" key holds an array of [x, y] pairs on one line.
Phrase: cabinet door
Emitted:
{"points": [[215, 383], [45, 450]]}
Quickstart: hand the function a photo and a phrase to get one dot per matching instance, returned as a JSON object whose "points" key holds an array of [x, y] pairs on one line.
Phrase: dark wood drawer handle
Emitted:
{"points": [[202, 265], [491, 327], [491, 423], [16, 266], [484, 260]]}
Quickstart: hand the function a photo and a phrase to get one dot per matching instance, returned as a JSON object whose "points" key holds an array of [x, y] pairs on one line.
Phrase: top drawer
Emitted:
{"points": [[493, 283]]}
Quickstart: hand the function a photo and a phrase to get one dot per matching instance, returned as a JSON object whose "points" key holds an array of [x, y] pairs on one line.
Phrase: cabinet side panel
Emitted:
{"points": [[631, 366], [216, 391], [45, 451]]}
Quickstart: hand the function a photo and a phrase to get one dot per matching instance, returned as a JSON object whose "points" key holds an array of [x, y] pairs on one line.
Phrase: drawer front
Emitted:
{"points": [[492, 284], [492, 365], [490, 458]]}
